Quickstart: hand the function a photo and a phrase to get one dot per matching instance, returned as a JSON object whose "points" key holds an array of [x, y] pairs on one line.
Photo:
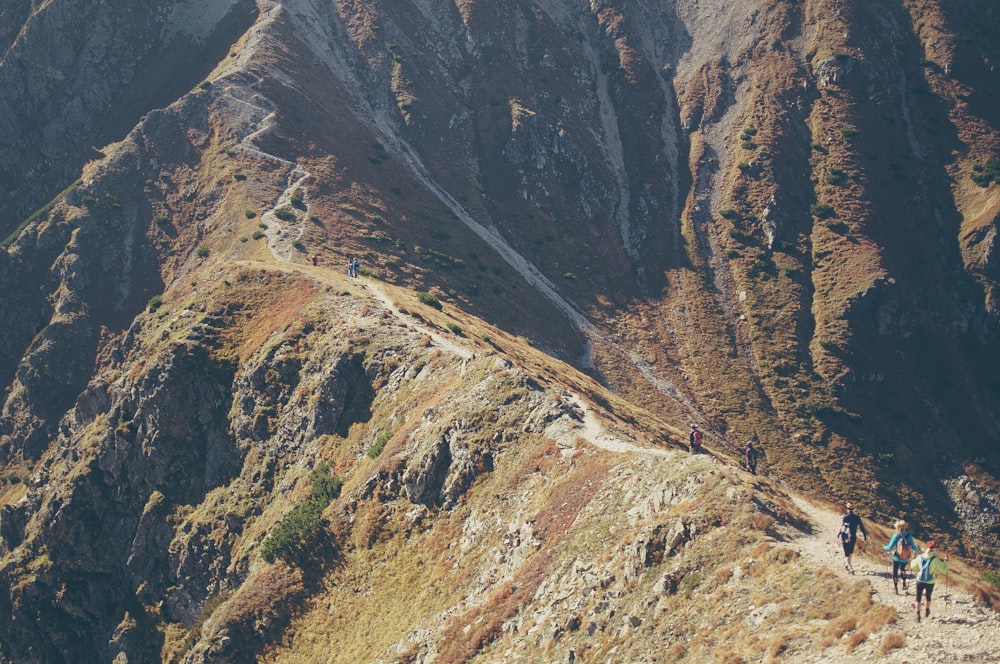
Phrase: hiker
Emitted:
{"points": [[695, 439], [356, 265], [350, 267], [903, 547], [927, 566], [751, 457], [849, 535], [315, 259]]}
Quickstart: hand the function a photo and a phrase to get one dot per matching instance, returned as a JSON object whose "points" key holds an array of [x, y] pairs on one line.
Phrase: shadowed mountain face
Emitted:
{"points": [[777, 219]]}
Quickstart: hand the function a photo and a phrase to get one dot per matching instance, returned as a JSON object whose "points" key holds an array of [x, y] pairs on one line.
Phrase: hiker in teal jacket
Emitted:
{"points": [[903, 549], [927, 566]]}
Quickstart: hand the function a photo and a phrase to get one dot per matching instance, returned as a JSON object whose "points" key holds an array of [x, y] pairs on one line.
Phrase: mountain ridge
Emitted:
{"points": [[761, 218]]}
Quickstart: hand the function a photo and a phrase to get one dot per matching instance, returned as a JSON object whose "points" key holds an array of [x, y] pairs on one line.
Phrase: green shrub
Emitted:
{"points": [[428, 299], [849, 132], [161, 220], [442, 259], [835, 176], [739, 235], [298, 202], [732, 254], [729, 213], [298, 245], [239, 177], [992, 578], [821, 210], [376, 448], [985, 175], [154, 303], [202, 252], [284, 214], [257, 235], [294, 537], [454, 329], [249, 214]]}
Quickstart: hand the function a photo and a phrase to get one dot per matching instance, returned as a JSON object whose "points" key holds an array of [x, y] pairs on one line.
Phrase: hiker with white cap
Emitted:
{"points": [[695, 439]]}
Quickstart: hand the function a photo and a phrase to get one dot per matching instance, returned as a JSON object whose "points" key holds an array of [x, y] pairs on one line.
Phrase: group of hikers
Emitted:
{"points": [[353, 265], [751, 454], [906, 555]]}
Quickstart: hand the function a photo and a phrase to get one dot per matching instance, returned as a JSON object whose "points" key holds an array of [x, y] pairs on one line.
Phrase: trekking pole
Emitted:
{"points": [[947, 587]]}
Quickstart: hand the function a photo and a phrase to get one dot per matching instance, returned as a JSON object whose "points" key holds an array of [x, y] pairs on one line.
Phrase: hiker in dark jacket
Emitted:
{"points": [[849, 535], [903, 549], [751, 456]]}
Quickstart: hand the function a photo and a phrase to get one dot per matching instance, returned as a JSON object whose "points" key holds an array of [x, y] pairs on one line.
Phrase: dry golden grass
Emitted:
{"points": [[890, 642]]}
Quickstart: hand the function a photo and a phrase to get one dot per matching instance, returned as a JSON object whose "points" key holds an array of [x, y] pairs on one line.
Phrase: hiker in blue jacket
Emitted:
{"points": [[927, 566], [903, 549]]}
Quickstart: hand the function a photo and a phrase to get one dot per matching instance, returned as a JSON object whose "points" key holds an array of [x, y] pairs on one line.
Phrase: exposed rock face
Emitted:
{"points": [[758, 216], [76, 75]]}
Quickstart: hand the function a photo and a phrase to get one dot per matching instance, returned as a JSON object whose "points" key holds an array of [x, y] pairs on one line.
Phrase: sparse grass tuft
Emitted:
{"points": [[892, 641]]}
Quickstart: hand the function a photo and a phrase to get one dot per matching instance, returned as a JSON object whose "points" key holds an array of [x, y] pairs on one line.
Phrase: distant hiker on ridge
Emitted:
{"points": [[849, 534], [927, 566], [350, 267], [694, 439], [751, 456], [903, 547]]}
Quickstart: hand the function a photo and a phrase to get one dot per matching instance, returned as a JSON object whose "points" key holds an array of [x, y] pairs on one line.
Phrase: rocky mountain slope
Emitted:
{"points": [[580, 228]]}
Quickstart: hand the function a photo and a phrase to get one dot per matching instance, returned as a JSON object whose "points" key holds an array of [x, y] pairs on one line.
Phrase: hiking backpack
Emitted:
{"points": [[925, 576], [904, 551]]}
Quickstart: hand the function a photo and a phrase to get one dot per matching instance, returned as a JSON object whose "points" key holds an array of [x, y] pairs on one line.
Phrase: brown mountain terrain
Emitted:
{"points": [[580, 228]]}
